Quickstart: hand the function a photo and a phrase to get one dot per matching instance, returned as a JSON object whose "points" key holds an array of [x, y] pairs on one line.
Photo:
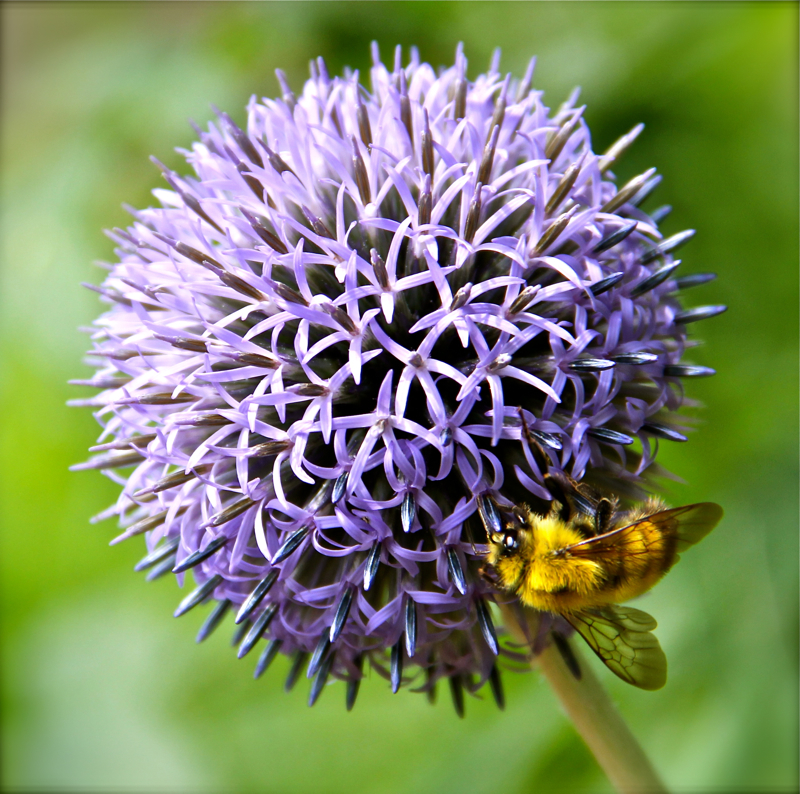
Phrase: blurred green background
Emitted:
{"points": [[103, 690]]}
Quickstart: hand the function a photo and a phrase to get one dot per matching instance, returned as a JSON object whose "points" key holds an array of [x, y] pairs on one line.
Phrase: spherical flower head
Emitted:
{"points": [[370, 320]]}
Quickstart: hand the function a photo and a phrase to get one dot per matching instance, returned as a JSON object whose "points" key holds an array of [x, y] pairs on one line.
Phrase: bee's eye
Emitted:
{"points": [[510, 541]]}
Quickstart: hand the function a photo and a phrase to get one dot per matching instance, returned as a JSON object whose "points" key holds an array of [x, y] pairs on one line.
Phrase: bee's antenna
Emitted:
{"points": [[520, 514]]}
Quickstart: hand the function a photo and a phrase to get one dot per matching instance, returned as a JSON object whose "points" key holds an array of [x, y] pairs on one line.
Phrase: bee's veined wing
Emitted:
{"points": [[694, 522], [688, 525], [622, 638]]}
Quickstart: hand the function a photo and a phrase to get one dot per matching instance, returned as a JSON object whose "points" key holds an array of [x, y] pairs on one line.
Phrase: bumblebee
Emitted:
{"points": [[585, 557]]}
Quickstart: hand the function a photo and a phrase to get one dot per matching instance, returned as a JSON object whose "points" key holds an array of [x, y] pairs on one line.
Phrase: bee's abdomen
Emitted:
{"points": [[643, 556]]}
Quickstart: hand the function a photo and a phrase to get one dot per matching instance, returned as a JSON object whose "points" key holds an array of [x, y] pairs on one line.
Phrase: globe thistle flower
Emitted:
{"points": [[368, 318]]}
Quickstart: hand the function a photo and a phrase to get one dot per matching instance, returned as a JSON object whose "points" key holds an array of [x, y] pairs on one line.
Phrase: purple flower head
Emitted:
{"points": [[368, 318]]}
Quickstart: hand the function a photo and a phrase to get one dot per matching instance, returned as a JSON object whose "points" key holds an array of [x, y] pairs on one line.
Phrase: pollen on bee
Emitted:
{"points": [[549, 573]]}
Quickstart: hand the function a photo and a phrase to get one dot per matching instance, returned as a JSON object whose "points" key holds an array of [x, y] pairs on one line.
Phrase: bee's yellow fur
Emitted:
{"points": [[564, 567], [539, 578], [555, 569]]}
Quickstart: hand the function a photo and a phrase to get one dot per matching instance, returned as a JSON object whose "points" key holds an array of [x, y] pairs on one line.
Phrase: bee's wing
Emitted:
{"points": [[688, 524], [622, 638], [695, 522]]}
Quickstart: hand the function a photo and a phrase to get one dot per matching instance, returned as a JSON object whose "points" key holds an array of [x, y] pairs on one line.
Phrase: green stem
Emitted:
{"points": [[597, 720], [600, 725]]}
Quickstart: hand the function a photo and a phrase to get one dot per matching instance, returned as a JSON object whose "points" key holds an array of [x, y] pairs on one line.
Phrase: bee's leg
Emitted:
{"points": [[559, 496], [489, 575], [564, 648], [539, 455], [603, 515], [469, 536]]}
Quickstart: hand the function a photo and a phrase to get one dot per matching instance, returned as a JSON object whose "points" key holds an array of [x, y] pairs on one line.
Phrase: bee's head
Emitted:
{"points": [[510, 541], [507, 540], [505, 528]]}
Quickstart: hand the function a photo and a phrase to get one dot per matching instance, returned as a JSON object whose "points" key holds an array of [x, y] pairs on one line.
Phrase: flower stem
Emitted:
{"points": [[594, 716], [600, 724]]}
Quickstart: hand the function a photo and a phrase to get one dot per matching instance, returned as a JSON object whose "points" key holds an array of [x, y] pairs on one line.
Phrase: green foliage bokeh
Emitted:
{"points": [[103, 690]]}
